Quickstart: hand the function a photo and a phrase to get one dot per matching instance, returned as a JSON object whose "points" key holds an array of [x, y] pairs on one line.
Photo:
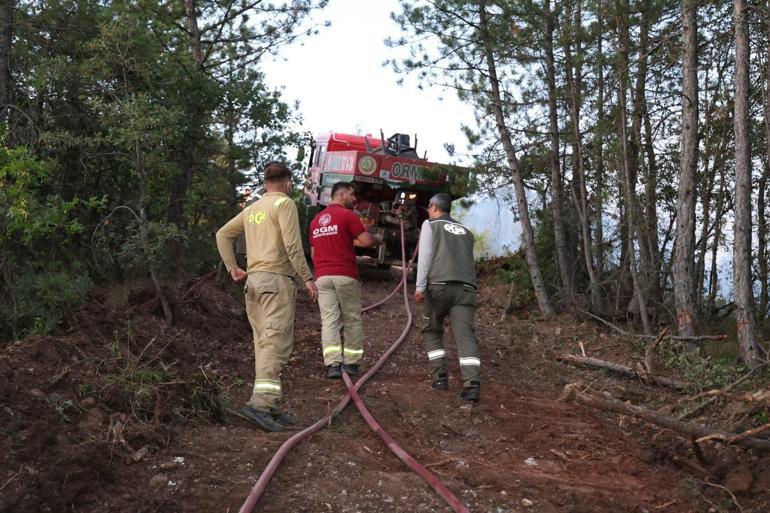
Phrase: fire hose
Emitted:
{"points": [[261, 485]]}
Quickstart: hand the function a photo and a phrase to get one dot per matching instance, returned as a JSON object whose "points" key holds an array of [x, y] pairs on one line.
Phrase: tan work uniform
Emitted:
{"points": [[274, 256]]}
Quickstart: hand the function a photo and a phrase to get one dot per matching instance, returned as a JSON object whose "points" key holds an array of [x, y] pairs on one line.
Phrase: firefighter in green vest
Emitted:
{"points": [[274, 258], [446, 282]]}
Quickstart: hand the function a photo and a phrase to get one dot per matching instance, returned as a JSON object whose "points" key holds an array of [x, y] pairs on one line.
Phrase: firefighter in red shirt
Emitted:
{"points": [[333, 234]]}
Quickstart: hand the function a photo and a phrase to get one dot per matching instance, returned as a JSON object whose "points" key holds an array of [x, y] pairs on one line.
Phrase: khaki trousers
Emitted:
{"points": [[339, 299], [270, 304], [458, 301]]}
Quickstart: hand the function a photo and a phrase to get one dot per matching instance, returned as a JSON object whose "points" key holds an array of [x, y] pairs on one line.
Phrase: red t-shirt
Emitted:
{"points": [[332, 232]]}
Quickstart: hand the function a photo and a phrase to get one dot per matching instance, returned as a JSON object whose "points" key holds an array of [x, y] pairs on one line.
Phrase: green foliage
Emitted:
{"points": [[761, 418], [28, 213], [202, 397], [147, 245], [39, 301], [510, 270], [703, 371], [115, 113], [41, 282], [61, 406], [85, 390], [545, 248]]}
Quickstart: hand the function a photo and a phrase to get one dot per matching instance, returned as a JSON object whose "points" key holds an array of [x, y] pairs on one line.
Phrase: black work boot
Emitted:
{"points": [[284, 419], [441, 382], [263, 419], [334, 371], [351, 369], [471, 392]]}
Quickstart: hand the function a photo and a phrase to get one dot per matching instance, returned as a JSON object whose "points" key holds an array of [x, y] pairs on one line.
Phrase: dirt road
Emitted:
{"points": [[92, 420]]}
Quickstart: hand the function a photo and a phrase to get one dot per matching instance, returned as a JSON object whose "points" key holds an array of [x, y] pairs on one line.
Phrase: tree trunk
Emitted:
{"points": [[195, 35], [684, 276], [762, 245], [713, 272], [649, 273], [581, 203], [623, 62], [6, 34], [189, 142], [761, 221], [710, 173], [541, 294], [742, 280], [651, 210], [556, 190], [599, 142], [650, 214]]}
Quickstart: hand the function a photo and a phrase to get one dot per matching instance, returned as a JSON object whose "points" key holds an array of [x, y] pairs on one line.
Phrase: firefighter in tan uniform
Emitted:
{"points": [[274, 257]]}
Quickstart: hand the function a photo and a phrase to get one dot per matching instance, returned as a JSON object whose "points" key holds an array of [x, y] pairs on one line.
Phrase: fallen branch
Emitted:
{"points": [[642, 335], [572, 393], [692, 467], [651, 350], [622, 369], [725, 389], [740, 436], [732, 496], [197, 281]]}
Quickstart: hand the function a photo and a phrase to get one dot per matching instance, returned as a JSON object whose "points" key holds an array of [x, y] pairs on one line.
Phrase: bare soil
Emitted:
{"points": [[121, 412]]}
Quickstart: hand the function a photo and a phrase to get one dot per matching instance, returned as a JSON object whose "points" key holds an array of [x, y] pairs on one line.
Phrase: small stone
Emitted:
{"points": [[169, 465], [140, 454], [36, 392], [158, 481], [527, 503], [532, 462], [88, 403]]}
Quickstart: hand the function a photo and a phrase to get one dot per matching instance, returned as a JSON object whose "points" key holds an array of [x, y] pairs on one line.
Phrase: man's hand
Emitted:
{"points": [[419, 296], [312, 290], [238, 274]]}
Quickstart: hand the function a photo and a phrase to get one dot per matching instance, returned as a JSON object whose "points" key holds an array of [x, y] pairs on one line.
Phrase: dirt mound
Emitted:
{"points": [[126, 413]]}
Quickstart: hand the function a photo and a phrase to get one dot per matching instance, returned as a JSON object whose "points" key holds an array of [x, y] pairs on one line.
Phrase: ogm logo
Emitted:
{"points": [[324, 220], [257, 217], [367, 165], [455, 229]]}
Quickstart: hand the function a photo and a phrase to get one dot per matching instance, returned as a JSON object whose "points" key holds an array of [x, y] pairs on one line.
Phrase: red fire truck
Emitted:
{"points": [[392, 183]]}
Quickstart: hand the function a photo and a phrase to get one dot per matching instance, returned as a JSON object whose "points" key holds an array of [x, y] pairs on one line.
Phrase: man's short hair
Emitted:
{"points": [[277, 172], [443, 202], [340, 186]]}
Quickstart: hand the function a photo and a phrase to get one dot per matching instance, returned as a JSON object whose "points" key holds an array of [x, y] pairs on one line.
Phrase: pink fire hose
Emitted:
{"points": [[433, 481]]}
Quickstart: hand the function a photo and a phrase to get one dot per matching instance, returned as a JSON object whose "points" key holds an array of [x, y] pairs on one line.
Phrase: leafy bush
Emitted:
{"points": [[41, 277], [147, 246], [704, 371], [39, 301]]}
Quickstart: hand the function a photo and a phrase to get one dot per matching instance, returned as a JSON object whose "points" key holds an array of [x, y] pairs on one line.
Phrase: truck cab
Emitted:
{"points": [[392, 183]]}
